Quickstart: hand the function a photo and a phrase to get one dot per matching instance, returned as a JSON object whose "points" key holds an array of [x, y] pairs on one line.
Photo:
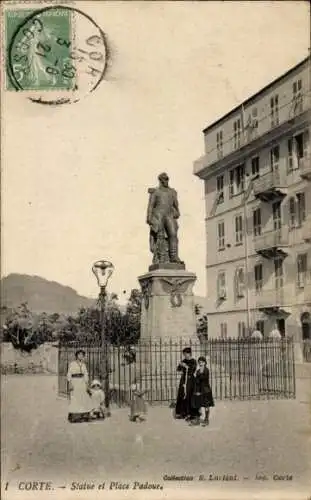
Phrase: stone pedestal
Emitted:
{"points": [[168, 303]]}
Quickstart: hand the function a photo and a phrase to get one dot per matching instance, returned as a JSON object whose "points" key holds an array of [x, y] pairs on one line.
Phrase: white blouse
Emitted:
{"points": [[77, 367]]}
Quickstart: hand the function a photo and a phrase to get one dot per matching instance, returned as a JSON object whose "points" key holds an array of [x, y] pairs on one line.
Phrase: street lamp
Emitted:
{"points": [[103, 270]]}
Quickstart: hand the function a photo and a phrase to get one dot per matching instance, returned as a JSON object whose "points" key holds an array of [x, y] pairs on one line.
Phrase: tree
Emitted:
{"points": [[197, 309], [201, 322], [27, 330], [21, 326], [133, 314], [202, 326]]}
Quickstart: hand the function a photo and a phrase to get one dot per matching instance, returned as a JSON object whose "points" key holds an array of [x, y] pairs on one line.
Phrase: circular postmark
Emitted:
{"points": [[57, 55]]}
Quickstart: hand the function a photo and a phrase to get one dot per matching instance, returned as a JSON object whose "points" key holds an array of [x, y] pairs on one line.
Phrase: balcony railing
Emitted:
{"points": [[277, 238], [268, 182], [272, 298], [282, 297]]}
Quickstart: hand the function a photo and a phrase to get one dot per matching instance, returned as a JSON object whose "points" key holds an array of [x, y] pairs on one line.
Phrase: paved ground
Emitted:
{"points": [[244, 438]]}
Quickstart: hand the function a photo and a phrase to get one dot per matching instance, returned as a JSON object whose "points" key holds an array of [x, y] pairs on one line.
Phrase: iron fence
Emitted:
{"points": [[239, 368]]}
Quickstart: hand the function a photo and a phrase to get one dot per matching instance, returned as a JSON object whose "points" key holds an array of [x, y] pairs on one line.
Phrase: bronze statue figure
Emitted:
{"points": [[162, 215]]}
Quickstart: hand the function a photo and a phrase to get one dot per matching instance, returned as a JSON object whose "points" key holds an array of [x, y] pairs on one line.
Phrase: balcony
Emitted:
{"points": [[305, 168], [306, 229], [271, 301], [272, 244], [270, 187]]}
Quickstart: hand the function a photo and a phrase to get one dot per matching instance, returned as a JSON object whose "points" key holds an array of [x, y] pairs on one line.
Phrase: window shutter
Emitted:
{"points": [[306, 143], [231, 188], [292, 212], [240, 282], [221, 285], [290, 155], [218, 286], [301, 207]]}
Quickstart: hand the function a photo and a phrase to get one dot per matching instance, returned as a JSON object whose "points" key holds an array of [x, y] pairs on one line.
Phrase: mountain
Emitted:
{"points": [[41, 295]]}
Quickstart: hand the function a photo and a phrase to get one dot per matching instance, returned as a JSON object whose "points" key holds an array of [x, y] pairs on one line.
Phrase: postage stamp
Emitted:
{"points": [[56, 54]]}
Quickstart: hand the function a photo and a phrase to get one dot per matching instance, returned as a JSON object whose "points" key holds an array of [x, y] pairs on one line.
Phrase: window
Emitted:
{"points": [[240, 282], [258, 274], [221, 235], [223, 330], [238, 230], [297, 97], [297, 210], [277, 219], [297, 147], [255, 166], [260, 326], [237, 133], [220, 189], [219, 143], [274, 110], [236, 180], [241, 330], [302, 266], [257, 222], [278, 273], [252, 124], [301, 208], [221, 285], [274, 158]]}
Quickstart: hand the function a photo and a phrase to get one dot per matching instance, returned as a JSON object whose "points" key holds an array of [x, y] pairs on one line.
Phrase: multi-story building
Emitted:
{"points": [[257, 176]]}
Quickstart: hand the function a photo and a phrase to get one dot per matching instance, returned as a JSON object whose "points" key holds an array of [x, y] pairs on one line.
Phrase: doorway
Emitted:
{"points": [[281, 326], [305, 326]]}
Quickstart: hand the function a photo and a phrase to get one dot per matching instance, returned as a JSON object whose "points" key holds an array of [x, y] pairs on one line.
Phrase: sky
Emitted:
{"points": [[75, 177]]}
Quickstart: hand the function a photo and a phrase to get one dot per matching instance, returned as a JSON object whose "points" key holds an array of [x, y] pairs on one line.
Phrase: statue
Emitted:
{"points": [[162, 215]]}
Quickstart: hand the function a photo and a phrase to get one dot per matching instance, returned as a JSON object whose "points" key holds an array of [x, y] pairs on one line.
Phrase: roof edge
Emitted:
{"points": [[253, 96]]}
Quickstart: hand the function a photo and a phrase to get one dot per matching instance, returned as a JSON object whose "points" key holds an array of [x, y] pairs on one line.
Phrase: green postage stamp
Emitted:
{"points": [[58, 50]]}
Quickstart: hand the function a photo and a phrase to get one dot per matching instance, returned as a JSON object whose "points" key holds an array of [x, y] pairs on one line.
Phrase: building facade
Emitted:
{"points": [[257, 179]]}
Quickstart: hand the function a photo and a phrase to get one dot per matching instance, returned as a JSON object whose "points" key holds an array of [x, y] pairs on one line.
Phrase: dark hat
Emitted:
{"points": [[202, 358], [187, 350], [78, 352]]}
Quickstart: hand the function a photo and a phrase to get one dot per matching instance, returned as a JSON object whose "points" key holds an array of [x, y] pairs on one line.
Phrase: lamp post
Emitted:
{"points": [[103, 270]]}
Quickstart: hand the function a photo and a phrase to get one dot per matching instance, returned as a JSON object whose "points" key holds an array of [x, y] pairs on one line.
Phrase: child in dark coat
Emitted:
{"points": [[138, 405], [202, 398]]}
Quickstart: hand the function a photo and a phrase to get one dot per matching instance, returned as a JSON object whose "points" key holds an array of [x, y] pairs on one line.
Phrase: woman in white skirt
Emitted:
{"points": [[77, 376]]}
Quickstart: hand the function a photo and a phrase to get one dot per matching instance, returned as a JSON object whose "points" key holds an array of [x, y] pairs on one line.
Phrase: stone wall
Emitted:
{"points": [[41, 360]]}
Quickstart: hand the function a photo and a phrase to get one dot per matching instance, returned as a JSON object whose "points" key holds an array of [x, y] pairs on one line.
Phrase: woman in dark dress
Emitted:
{"points": [[202, 397], [183, 407]]}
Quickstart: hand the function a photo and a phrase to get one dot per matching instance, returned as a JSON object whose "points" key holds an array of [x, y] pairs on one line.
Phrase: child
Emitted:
{"points": [[202, 398], [138, 405], [98, 400]]}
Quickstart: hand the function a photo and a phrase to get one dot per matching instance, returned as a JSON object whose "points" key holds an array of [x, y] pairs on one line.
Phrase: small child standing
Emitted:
{"points": [[202, 398], [98, 400], [138, 405]]}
